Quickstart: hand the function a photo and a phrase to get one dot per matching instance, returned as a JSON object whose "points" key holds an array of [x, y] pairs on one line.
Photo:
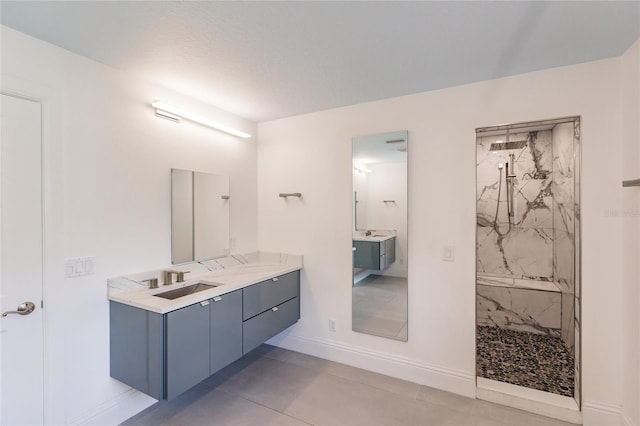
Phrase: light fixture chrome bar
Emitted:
{"points": [[162, 109], [168, 116], [634, 182], [290, 194]]}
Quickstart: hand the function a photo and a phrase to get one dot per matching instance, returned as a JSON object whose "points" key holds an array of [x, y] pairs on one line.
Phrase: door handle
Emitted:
{"points": [[23, 309]]}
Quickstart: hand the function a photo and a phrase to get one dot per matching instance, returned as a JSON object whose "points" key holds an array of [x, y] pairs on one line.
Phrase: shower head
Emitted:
{"points": [[500, 146]]}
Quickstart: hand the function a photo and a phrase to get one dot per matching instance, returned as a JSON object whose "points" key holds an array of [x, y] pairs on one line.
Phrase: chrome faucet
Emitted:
{"points": [[168, 276]]}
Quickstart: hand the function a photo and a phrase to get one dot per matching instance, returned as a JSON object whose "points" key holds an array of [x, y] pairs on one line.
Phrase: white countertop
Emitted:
{"points": [[232, 276], [373, 238]]}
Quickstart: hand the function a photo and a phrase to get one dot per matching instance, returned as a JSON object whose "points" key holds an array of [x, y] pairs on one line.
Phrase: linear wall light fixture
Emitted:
{"points": [[175, 114]]}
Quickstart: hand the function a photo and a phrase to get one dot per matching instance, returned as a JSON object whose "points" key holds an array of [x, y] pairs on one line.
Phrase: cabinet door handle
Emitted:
{"points": [[274, 279], [204, 303], [217, 299], [274, 309]]}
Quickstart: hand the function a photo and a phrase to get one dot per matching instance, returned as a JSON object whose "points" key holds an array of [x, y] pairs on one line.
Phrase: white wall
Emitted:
{"points": [[108, 196], [311, 154], [629, 218]]}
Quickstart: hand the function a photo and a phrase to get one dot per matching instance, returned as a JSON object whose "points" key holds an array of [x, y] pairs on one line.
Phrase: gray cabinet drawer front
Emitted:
{"points": [[267, 294], [226, 330], [367, 255], [187, 348], [261, 328]]}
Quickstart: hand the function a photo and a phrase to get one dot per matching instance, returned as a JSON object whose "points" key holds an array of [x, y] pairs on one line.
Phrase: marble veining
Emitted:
{"points": [[531, 283], [524, 247], [519, 309]]}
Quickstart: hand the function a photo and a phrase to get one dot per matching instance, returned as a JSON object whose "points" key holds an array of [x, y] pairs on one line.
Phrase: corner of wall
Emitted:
{"points": [[116, 410], [600, 414]]}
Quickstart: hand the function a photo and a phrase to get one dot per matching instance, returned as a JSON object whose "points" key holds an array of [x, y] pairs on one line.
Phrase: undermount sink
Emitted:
{"points": [[185, 291]]}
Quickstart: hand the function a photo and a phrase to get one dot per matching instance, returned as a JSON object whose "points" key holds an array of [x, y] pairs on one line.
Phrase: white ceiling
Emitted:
{"points": [[268, 60]]}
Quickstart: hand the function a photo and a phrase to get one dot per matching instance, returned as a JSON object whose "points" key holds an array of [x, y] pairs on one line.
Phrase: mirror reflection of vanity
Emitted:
{"points": [[379, 286], [199, 216]]}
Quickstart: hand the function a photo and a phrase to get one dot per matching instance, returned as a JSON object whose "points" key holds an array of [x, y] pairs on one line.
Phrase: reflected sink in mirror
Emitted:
{"points": [[185, 291]]}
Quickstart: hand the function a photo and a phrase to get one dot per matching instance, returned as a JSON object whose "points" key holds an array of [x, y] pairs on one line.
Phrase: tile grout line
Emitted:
{"points": [[264, 406], [411, 398]]}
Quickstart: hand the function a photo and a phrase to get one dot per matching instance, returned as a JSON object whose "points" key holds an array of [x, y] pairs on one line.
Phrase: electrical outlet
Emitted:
{"points": [[332, 325], [449, 253]]}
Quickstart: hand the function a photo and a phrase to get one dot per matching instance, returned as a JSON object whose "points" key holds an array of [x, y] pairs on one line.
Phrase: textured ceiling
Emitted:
{"points": [[268, 60]]}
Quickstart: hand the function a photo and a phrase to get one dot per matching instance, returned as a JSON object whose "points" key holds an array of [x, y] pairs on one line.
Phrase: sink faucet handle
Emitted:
{"points": [[180, 276], [168, 276], [153, 282]]}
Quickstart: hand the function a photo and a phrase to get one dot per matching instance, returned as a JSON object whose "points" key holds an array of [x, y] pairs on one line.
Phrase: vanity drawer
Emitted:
{"points": [[261, 328], [259, 297]]}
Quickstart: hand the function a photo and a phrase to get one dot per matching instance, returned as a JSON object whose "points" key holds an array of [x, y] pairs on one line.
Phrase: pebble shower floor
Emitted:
{"points": [[531, 360]]}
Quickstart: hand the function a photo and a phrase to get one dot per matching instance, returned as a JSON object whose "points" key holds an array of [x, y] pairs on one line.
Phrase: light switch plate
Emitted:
{"points": [[79, 266]]}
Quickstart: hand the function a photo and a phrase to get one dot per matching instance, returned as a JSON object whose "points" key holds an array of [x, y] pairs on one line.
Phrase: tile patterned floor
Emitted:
{"points": [[535, 361], [273, 386]]}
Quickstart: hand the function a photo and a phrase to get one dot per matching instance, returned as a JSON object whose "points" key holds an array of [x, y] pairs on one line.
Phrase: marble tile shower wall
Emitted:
{"points": [[527, 249], [577, 258], [564, 224], [539, 244]]}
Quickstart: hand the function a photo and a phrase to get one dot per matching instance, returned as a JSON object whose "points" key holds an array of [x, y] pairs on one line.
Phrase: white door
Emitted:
{"points": [[21, 265]]}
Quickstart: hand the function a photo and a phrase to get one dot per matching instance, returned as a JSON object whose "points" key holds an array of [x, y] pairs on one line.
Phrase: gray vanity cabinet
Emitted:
{"points": [[375, 255], [269, 307], [136, 348], [187, 347], [226, 330], [163, 355], [389, 251]]}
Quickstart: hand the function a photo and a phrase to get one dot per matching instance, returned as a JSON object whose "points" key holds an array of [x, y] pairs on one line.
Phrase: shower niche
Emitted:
{"points": [[528, 256]]}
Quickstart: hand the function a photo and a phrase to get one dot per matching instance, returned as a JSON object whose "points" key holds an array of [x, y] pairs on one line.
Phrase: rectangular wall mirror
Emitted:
{"points": [[379, 284], [199, 216]]}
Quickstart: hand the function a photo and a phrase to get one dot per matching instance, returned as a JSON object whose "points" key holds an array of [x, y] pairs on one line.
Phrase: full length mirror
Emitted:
{"points": [[379, 285], [199, 216]]}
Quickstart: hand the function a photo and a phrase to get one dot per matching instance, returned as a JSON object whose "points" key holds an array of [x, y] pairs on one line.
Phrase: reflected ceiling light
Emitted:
{"points": [[175, 114], [362, 170]]}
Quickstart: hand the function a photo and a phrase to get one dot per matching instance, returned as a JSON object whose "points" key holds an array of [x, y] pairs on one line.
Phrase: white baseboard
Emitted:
{"points": [[450, 380], [116, 410], [602, 414], [626, 421], [531, 400]]}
